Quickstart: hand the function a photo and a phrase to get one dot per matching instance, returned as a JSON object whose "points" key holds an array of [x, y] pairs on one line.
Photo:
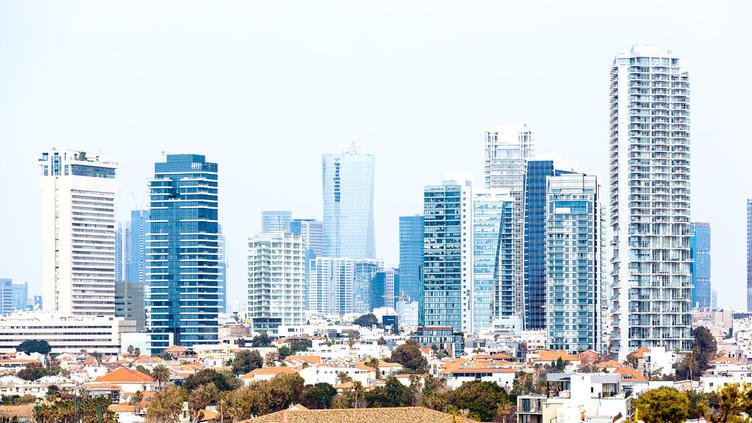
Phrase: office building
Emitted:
{"points": [[507, 151], [183, 253], [650, 201], [311, 233], [699, 246], [122, 249], [65, 334], [576, 303], [494, 292], [6, 296], [411, 257], [129, 302], [534, 290], [139, 229], [275, 220], [384, 289], [20, 296], [348, 205], [333, 281], [276, 281], [448, 254], [78, 233]]}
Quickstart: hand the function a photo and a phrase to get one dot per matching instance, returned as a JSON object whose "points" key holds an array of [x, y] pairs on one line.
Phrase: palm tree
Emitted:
{"points": [[161, 374]]}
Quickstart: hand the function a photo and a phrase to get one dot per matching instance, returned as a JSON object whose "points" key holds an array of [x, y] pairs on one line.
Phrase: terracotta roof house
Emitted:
{"points": [[267, 373], [724, 360], [629, 374], [361, 415], [130, 380]]}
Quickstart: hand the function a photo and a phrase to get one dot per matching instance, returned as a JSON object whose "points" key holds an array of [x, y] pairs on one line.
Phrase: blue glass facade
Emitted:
{"points": [[411, 256], [275, 220], [6, 296], [535, 241], [699, 246], [183, 249], [20, 295], [136, 267], [493, 257], [348, 205], [442, 256]]}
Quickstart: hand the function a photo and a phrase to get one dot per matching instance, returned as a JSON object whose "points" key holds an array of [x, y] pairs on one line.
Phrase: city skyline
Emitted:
{"points": [[729, 267]]}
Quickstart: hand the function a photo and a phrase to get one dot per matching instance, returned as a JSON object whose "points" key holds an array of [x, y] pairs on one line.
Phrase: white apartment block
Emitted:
{"points": [[69, 334], [78, 233], [465, 181], [650, 201], [508, 149], [276, 280]]}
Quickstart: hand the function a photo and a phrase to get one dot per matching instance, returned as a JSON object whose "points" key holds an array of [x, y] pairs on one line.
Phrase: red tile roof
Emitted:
{"points": [[125, 375]]}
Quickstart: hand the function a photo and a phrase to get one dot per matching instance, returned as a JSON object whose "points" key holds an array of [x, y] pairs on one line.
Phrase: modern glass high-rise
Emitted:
{"points": [[534, 290], [448, 254], [348, 205], [650, 201], [507, 151], [78, 233], [122, 249], [275, 220], [222, 254], [183, 252], [311, 233], [20, 295], [129, 302], [493, 257], [576, 303], [276, 281], [139, 228], [333, 282], [699, 246], [749, 256], [411, 256], [6, 296]]}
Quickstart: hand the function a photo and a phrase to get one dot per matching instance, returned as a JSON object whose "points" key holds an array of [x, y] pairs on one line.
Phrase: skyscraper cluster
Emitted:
{"points": [[527, 249]]}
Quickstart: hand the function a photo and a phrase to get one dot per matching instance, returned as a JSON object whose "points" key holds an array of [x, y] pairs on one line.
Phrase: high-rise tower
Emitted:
{"points": [[411, 256], [78, 233], [348, 205], [650, 201], [183, 257], [700, 248]]}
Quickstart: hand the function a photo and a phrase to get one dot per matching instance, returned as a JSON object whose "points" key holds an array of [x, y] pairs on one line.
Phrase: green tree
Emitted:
{"points": [[366, 320], [248, 402], [261, 341], [130, 349], [32, 371], [318, 396], [285, 390], [34, 345], [200, 398], [662, 405], [392, 394], [246, 361], [284, 352], [136, 398], [161, 374], [410, 357], [63, 411], [733, 403], [481, 399], [137, 352], [300, 345], [166, 406], [143, 370], [705, 347], [224, 381]]}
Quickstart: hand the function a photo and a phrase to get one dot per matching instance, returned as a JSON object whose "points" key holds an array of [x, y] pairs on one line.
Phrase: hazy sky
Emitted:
{"points": [[264, 88]]}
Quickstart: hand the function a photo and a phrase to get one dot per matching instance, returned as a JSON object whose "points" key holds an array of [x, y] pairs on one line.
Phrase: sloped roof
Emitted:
{"points": [[553, 355], [122, 408], [362, 415], [639, 352], [124, 375], [310, 359], [270, 371], [724, 359], [629, 374], [608, 364]]}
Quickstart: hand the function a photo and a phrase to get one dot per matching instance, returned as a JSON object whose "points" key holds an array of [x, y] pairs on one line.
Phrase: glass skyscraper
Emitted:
{"points": [[650, 201], [700, 252], [411, 256], [340, 285], [448, 254], [749, 256], [493, 257], [6, 296], [139, 228], [183, 252], [275, 220], [535, 241], [122, 249], [575, 293], [348, 205]]}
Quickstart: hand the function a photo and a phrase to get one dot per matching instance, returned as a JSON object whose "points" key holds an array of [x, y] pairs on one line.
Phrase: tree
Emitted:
{"points": [[705, 347], [137, 352], [392, 394], [34, 345], [136, 398], [32, 371], [200, 398], [245, 361], [688, 367], [248, 402], [224, 381], [261, 341], [284, 390], [130, 349], [662, 405], [560, 364], [166, 406], [733, 402], [366, 320], [284, 352], [481, 399], [410, 357], [300, 345], [161, 374], [143, 370], [318, 396], [63, 411]]}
